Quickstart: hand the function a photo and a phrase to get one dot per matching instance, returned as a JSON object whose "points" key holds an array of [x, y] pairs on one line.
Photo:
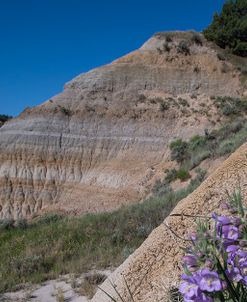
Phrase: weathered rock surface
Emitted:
{"points": [[155, 266], [101, 142]]}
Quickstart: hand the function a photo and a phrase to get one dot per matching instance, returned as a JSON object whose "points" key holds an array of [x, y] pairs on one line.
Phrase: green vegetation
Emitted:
{"points": [[4, 118], [166, 47], [168, 37], [54, 245], [173, 174], [219, 142], [183, 174], [183, 47], [90, 284], [229, 28], [196, 39], [179, 150], [164, 106], [183, 102], [231, 106], [65, 111], [221, 57], [6, 224]]}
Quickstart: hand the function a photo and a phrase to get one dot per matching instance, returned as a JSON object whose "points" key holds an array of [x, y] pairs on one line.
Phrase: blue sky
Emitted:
{"points": [[45, 43]]}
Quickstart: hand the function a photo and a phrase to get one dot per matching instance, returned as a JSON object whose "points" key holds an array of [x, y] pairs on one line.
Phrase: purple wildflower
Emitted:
{"points": [[230, 232], [189, 288], [209, 263], [225, 205], [190, 261], [201, 298], [233, 273], [232, 249], [236, 221], [193, 236], [210, 281], [222, 220]]}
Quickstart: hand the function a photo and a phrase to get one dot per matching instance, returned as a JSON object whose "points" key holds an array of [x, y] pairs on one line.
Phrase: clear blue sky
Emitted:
{"points": [[45, 43]]}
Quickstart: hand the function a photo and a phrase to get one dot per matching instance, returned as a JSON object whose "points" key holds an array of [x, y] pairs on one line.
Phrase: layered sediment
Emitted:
{"points": [[102, 141]]}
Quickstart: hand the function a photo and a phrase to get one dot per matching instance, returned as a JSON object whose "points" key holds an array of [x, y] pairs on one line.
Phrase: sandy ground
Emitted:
{"points": [[66, 288]]}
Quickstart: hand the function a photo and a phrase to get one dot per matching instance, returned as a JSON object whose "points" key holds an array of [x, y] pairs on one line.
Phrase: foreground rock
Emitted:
{"points": [[102, 142], [155, 266]]}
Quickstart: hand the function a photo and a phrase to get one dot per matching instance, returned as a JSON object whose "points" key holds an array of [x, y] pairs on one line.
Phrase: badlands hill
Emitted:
{"points": [[104, 140], [156, 265]]}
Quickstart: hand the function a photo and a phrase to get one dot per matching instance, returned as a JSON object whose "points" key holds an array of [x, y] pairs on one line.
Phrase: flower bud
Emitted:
{"points": [[193, 236], [199, 254], [224, 285], [225, 205], [209, 264], [243, 243]]}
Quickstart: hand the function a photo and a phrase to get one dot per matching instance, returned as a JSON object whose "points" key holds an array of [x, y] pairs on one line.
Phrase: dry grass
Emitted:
{"points": [[90, 283]]}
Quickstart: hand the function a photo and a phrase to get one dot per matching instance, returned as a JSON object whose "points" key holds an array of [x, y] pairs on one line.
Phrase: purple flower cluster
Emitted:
{"points": [[196, 286], [237, 264], [227, 229], [216, 260]]}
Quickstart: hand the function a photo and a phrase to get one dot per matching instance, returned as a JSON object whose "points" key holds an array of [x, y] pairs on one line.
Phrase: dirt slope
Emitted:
{"points": [[155, 266]]}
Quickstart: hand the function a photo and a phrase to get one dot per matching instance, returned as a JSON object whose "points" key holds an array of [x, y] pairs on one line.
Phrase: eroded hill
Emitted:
{"points": [[104, 140]]}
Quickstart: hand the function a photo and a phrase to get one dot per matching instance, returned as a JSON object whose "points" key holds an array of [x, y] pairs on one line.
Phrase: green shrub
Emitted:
{"points": [[196, 141], [21, 223], [197, 39], [164, 106], [166, 47], [226, 147], [183, 47], [183, 174], [4, 118], [49, 218], [229, 28], [218, 142], [221, 57], [7, 224], [183, 102], [196, 69], [197, 158], [159, 50], [241, 49], [168, 37], [171, 175], [65, 111], [156, 100], [179, 150], [193, 96], [201, 174], [161, 188], [230, 105]]}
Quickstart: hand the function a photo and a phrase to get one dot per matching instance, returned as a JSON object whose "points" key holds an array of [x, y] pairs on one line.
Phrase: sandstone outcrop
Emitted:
{"points": [[101, 142], [156, 264]]}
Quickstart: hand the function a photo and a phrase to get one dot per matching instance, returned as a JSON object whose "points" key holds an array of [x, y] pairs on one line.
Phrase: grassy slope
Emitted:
{"points": [[56, 245]]}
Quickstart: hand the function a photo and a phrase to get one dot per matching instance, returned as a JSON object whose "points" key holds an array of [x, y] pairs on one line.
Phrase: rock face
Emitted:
{"points": [[101, 142], [156, 265]]}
